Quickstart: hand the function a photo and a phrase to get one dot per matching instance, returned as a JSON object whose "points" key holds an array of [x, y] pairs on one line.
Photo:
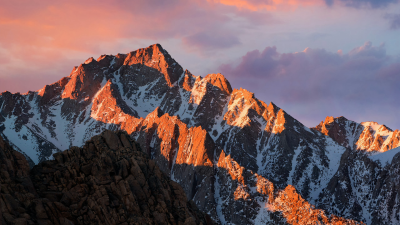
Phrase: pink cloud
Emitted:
{"points": [[39, 35], [279, 5], [270, 5], [44, 34], [363, 3]]}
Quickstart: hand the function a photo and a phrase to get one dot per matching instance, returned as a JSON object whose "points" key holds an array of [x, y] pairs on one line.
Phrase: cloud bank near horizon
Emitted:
{"points": [[361, 84]]}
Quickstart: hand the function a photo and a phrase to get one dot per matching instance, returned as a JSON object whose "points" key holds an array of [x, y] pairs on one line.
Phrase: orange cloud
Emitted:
{"points": [[269, 5], [86, 26], [66, 25]]}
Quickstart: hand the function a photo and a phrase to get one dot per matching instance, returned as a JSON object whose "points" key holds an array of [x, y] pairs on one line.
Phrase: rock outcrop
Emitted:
{"points": [[107, 181], [369, 137]]}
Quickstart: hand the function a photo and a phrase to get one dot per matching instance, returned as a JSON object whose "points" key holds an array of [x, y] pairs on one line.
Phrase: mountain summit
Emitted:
{"points": [[366, 136]]}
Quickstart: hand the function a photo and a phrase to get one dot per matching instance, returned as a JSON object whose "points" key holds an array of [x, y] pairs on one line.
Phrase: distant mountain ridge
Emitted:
{"points": [[187, 124], [366, 136]]}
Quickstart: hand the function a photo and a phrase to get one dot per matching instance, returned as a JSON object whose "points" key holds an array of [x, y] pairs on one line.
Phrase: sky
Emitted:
{"points": [[312, 58]]}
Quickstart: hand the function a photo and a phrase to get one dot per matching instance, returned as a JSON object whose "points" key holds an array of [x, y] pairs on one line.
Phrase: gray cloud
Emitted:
{"points": [[394, 20], [363, 3], [310, 85], [212, 40]]}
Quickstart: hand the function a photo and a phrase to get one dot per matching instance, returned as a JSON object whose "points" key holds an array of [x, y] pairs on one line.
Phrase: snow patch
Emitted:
{"points": [[385, 157], [218, 198]]}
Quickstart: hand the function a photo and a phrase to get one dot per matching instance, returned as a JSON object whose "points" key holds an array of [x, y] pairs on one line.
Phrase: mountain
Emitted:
{"points": [[107, 181], [114, 92], [187, 124]]}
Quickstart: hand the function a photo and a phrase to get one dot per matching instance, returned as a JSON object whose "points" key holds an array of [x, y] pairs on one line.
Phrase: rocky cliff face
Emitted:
{"points": [[107, 181], [366, 136], [254, 199], [183, 122]]}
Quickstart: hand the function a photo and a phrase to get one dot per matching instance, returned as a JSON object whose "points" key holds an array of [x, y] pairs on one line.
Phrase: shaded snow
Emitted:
{"points": [[385, 157], [351, 136], [297, 152], [142, 101], [334, 152], [219, 200], [29, 146]]}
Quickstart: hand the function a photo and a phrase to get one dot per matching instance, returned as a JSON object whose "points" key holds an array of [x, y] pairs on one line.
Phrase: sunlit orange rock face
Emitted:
{"points": [[199, 140], [188, 81], [153, 57], [257, 126], [233, 168], [238, 173], [367, 136], [376, 137], [219, 81], [84, 82], [297, 211], [280, 122], [105, 107], [197, 95], [337, 129], [50, 91], [241, 105], [393, 142], [192, 146]]}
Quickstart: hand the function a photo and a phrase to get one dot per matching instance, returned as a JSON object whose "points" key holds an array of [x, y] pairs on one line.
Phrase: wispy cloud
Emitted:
{"points": [[211, 40], [273, 5], [363, 3]]}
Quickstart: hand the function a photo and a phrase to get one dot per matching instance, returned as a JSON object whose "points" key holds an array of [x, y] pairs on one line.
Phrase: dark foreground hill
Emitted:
{"points": [[107, 181]]}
